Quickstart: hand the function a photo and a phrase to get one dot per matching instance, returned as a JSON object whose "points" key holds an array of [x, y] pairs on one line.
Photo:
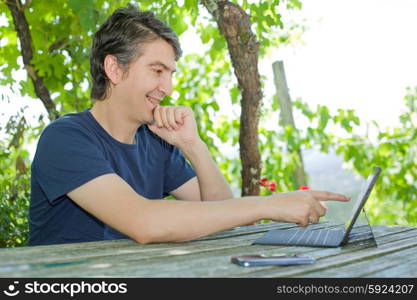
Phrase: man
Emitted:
{"points": [[102, 174]]}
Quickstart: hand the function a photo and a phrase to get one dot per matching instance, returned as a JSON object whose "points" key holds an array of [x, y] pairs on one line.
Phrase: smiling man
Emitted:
{"points": [[103, 173]]}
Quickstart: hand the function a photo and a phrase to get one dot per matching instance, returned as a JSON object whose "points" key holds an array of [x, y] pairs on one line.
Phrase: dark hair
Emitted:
{"points": [[122, 35]]}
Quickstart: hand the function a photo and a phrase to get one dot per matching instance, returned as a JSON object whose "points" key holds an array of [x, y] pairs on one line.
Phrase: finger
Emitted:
{"points": [[319, 210], [314, 218], [316, 212], [154, 128], [304, 223], [323, 204], [304, 219], [171, 118], [178, 116], [325, 196], [157, 117], [164, 117]]}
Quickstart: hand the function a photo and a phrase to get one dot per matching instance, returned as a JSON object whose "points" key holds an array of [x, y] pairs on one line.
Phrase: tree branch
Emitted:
{"points": [[22, 28], [27, 4]]}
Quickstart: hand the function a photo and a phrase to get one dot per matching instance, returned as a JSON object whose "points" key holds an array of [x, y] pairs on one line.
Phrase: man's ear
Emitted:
{"points": [[113, 71]]}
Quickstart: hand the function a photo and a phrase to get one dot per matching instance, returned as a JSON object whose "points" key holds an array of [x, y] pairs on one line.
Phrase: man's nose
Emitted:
{"points": [[166, 85]]}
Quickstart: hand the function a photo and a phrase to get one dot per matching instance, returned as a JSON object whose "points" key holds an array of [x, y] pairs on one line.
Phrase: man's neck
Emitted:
{"points": [[115, 121]]}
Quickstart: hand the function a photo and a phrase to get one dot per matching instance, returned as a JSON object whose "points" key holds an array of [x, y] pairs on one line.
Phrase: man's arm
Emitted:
{"points": [[177, 126], [213, 185], [209, 184], [189, 191], [114, 202]]}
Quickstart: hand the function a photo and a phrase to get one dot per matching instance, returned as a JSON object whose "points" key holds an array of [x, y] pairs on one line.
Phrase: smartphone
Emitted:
{"points": [[272, 260]]}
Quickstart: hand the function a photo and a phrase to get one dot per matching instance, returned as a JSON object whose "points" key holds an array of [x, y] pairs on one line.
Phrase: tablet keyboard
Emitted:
{"points": [[303, 237]]}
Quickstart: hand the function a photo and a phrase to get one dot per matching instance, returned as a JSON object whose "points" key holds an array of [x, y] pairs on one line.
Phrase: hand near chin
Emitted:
{"points": [[176, 125]]}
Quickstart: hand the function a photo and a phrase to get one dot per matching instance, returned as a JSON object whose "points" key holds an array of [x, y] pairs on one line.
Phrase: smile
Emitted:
{"points": [[154, 101]]}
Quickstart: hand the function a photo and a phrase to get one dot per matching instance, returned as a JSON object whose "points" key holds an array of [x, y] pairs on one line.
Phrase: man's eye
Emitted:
{"points": [[158, 71]]}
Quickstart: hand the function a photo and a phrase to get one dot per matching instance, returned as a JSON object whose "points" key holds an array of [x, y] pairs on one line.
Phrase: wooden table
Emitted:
{"points": [[395, 256]]}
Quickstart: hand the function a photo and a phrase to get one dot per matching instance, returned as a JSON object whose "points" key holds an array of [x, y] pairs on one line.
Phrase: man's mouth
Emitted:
{"points": [[153, 100]]}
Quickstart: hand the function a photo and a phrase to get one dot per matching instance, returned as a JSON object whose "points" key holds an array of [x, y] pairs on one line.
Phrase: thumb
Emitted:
{"points": [[154, 128]]}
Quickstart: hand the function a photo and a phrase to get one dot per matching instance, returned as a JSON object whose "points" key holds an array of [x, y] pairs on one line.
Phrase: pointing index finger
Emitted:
{"points": [[325, 196]]}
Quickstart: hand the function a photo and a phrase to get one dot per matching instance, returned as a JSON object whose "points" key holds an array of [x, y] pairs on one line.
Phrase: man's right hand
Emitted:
{"points": [[176, 125], [300, 207]]}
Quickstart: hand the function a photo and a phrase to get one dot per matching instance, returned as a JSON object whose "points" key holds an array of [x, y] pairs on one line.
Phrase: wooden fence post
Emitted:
{"points": [[286, 116]]}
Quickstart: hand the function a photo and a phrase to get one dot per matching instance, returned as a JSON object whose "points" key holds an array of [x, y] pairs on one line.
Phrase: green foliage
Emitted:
{"points": [[267, 21], [395, 150], [14, 184], [14, 200], [394, 200], [280, 146]]}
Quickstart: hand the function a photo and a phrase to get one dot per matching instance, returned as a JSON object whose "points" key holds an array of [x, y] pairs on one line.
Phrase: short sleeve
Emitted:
{"points": [[66, 158], [177, 171]]}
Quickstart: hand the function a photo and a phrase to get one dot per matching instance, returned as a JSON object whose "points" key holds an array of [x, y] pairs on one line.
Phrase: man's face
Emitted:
{"points": [[147, 81]]}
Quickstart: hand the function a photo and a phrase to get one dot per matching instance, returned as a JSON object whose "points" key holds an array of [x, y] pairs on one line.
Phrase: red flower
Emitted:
{"points": [[263, 181], [304, 187], [272, 186]]}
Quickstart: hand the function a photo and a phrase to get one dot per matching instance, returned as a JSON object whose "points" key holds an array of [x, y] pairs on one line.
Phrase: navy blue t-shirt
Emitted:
{"points": [[74, 150]]}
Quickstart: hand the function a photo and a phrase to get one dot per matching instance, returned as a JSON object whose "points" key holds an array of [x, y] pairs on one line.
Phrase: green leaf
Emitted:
{"points": [[324, 117], [85, 10]]}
